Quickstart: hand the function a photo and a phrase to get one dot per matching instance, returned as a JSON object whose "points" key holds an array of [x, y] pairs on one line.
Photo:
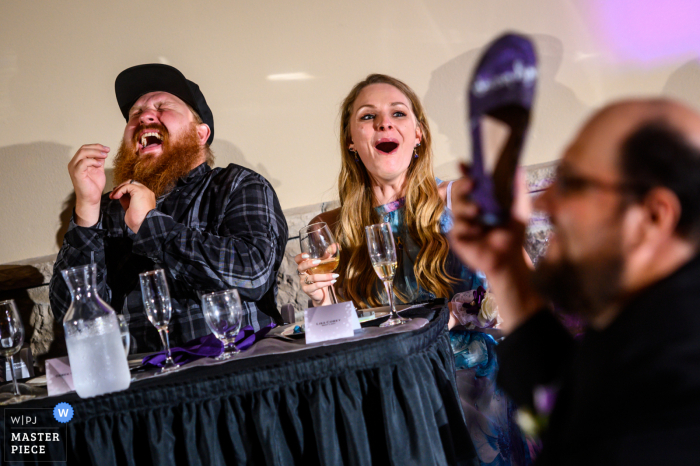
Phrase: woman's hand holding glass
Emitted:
{"points": [[318, 260], [314, 285]]}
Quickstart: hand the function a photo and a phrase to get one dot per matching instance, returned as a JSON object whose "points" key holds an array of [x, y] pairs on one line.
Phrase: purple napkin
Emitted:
{"points": [[208, 346]]}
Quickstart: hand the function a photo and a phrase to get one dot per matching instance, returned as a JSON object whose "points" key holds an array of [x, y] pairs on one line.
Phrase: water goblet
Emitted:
{"points": [[318, 242], [156, 302], [382, 252], [11, 339], [223, 313]]}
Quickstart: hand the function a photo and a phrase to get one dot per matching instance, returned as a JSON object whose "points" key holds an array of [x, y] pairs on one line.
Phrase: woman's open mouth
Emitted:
{"points": [[387, 146]]}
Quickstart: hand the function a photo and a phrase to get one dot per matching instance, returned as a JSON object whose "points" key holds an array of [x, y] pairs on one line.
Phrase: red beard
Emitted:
{"points": [[159, 174]]}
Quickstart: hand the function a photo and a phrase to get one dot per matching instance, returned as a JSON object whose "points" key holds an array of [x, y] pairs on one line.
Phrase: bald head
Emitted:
{"points": [[648, 143], [627, 116]]}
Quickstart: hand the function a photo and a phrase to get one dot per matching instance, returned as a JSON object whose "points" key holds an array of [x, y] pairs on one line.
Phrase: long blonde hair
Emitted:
{"points": [[424, 208]]}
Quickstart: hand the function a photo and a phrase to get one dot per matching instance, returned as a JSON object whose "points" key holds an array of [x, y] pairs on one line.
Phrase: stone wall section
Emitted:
{"points": [[27, 281]]}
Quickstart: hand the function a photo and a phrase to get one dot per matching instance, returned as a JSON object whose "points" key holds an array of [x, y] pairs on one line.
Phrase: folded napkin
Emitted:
{"points": [[207, 346]]}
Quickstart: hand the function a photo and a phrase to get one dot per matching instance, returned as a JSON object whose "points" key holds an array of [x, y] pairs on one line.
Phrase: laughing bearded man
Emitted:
{"points": [[209, 229]]}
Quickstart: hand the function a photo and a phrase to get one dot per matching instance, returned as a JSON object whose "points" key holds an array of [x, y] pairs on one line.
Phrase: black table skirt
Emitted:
{"points": [[389, 400]]}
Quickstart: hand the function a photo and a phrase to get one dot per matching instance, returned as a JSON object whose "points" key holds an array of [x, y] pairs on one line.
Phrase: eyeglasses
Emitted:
{"points": [[567, 183]]}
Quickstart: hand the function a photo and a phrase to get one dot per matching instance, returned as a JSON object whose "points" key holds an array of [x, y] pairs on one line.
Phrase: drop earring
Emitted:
{"points": [[415, 150], [352, 151]]}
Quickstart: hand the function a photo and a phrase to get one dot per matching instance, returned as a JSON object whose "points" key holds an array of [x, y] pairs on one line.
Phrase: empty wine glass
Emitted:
{"points": [[382, 252], [318, 242], [223, 313], [156, 302], [11, 339]]}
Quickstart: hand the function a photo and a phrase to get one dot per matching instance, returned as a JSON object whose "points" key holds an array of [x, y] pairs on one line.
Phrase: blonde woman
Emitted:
{"points": [[387, 176]]}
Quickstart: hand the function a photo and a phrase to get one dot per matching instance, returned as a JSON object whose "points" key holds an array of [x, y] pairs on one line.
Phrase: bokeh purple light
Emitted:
{"points": [[650, 30]]}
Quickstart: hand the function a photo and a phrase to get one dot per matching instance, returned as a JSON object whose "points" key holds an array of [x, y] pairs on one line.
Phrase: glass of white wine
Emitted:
{"points": [[318, 242], [156, 302], [382, 252]]}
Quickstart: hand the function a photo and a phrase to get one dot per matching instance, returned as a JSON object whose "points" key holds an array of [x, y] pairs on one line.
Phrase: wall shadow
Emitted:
{"points": [[226, 152], [446, 99], [20, 158], [30, 176]]}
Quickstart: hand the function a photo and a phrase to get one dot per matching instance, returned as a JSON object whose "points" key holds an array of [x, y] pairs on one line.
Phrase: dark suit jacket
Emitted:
{"points": [[629, 394]]}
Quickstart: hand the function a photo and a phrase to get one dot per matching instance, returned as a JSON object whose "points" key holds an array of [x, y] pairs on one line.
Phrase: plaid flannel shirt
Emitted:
{"points": [[217, 229]]}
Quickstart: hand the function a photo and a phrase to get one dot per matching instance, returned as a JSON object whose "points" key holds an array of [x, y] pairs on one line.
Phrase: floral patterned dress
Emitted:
{"points": [[489, 413]]}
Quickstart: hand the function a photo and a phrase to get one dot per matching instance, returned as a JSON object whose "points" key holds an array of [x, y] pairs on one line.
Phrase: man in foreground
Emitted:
{"points": [[209, 229], [625, 210]]}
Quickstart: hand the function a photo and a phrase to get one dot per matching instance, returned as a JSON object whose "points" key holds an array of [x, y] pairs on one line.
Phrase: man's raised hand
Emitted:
{"points": [[87, 172]]}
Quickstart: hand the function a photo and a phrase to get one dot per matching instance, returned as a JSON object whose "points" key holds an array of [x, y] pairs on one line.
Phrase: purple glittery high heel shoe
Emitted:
{"points": [[502, 88]]}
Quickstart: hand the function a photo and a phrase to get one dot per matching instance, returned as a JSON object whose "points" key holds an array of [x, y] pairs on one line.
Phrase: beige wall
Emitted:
{"points": [[58, 61]]}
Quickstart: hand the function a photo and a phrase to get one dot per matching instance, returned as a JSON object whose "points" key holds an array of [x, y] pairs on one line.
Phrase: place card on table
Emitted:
{"points": [[59, 378], [330, 322]]}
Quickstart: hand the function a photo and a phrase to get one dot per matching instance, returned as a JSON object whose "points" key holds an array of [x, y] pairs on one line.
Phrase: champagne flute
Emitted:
{"points": [[382, 252], [223, 313], [11, 339], [318, 242], [124, 330], [156, 302]]}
